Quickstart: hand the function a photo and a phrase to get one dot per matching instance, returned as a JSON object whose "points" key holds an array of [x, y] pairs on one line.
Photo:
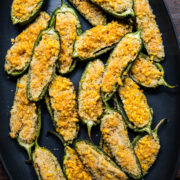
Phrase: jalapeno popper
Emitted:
{"points": [[97, 163], [117, 8], [147, 73], [134, 107], [147, 148], [119, 63], [93, 14], [90, 105], [115, 135], [42, 66], [61, 103], [19, 55], [66, 22], [25, 120], [46, 165], [73, 167], [99, 40], [23, 11], [151, 34]]}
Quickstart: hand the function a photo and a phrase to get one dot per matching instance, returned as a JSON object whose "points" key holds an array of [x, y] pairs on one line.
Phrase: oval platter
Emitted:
{"points": [[165, 102]]}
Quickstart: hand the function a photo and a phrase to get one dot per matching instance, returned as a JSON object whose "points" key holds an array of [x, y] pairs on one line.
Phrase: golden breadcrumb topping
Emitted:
{"points": [[115, 5], [115, 135], [135, 103], [99, 37], [66, 24], [23, 121], [46, 165], [90, 102], [44, 57], [75, 170], [63, 102], [124, 53], [91, 12], [145, 72], [150, 31], [98, 163], [22, 9], [20, 53], [146, 150]]}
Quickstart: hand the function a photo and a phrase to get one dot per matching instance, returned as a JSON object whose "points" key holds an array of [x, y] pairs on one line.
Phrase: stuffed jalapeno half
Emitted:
{"points": [[24, 11], [119, 8], [97, 162], [25, 120], [147, 148], [99, 40], [19, 55], [151, 34], [46, 164], [115, 136], [148, 73], [119, 63], [66, 22], [73, 167], [134, 107], [93, 14], [90, 105], [43, 62], [61, 104]]}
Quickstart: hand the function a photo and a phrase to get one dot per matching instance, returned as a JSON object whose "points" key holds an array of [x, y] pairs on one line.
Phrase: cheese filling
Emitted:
{"points": [[98, 163], [23, 121], [22, 9], [115, 135], [46, 165], [91, 12], [66, 24], [151, 34], [20, 53], [135, 103], [75, 170], [124, 53], [42, 64], [63, 103], [90, 102], [145, 72], [98, 38]]}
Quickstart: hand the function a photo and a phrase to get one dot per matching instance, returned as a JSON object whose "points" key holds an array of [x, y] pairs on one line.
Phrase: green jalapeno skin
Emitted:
{"points": [[119, 129], [15, 71], [108, 95], [48, 101], [89, 78], [121, 29], [119, 106], [32, 15], [52, 159], [160, 81], [48, 31], [124, 13], [96, 175], [27, 146], [63, 9], [93, 21], [148, 138]]}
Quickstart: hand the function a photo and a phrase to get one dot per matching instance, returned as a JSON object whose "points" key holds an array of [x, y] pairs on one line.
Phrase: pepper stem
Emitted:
{"points": [[89, 127], [158, 125], [63, 3], [59, 137], [164, 83]]}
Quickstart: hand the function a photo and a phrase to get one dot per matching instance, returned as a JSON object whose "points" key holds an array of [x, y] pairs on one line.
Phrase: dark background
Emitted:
{"points": [[174, 7]]}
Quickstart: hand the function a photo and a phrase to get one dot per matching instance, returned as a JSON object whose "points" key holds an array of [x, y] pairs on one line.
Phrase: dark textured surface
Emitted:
{"points": [[163, 101]]}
